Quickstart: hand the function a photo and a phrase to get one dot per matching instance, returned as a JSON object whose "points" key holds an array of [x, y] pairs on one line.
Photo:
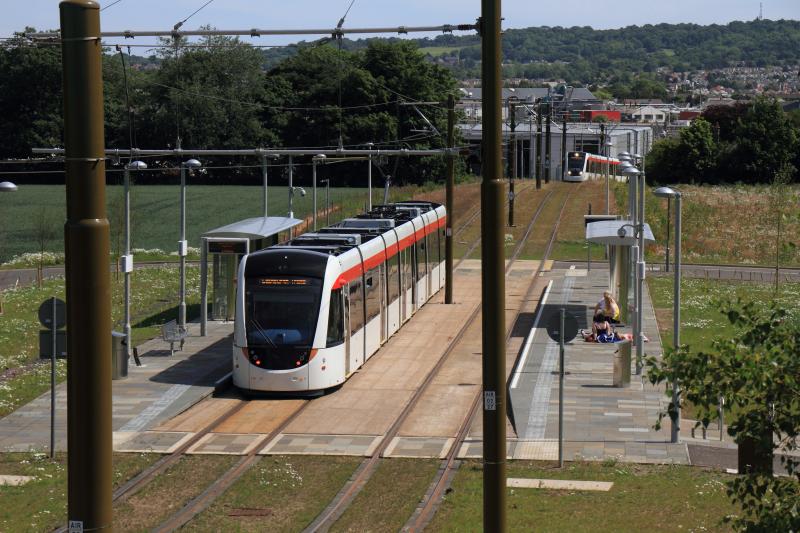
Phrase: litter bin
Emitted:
{"points": [[119, 356], [622, 364]]}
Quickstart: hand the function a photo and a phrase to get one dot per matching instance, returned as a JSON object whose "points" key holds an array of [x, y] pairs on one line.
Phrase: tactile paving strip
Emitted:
{"points": [[418, 447], [306, 444], [153, 441], [227, 443]]}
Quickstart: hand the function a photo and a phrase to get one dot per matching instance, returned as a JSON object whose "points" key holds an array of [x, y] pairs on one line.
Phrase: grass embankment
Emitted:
{"points": [[701, 321], [733, 224], [644, 498], [280, 493], [41, 504], [23, 376]]}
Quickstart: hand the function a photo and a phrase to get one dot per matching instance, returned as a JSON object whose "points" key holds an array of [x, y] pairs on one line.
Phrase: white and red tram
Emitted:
{"points": [[310, 312]]}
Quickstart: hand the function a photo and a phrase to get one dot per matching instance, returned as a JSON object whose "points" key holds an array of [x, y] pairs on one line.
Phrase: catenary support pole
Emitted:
{"points": [[291, 188], [449, 191], [314, 189], [492, 276], [548, 147], [539, 146], [564, 147], [561, 389], [369, 180], [666, 255], [203, 286], [86, 242]]}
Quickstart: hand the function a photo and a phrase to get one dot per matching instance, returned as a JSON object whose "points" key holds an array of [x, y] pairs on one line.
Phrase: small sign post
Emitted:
{"points": [[52, 314]]}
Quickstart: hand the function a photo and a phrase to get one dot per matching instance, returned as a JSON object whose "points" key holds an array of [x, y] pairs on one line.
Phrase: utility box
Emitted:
{"points": [[46, 344], [622, 364], [119, 355]]}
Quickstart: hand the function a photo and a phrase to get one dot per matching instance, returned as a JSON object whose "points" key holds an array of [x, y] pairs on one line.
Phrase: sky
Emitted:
{"points": [[297, 14]]}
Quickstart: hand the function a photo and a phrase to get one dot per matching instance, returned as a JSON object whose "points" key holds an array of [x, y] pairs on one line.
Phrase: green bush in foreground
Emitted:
{"points": [[757, 372]]}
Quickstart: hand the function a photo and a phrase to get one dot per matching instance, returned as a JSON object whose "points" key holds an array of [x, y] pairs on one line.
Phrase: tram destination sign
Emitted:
{"points": [[223, 247]]}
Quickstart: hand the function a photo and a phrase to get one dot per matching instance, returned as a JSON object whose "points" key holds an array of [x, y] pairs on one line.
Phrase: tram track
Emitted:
{"points": [[364, 472], [202, 501], [449, 465]]}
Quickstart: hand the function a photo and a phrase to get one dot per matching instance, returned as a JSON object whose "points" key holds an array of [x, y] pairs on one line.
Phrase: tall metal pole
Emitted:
{"points": [[266, 182], [539, 146], [291, 188], [327, 202], [640, 281], [182, 250], [492, 276], [126, 273], [561, 389], [314, 186], [449, 191], [676, 322], [369, 181], [511, 160], [564, 147], [86, 242], [547, 149], [54, 346], [666, 256]]}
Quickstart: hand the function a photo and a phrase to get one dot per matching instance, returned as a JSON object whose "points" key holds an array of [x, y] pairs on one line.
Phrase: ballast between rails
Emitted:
{"points": [[312, 311]]}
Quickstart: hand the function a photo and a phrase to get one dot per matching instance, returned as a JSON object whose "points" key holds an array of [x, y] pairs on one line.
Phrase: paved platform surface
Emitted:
{"points": [[151, 394], [600, 421]]}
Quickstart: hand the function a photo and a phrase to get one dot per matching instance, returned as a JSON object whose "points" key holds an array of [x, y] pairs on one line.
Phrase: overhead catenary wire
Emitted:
{"points": [[112, 4], [258, 32], [181, 23]]}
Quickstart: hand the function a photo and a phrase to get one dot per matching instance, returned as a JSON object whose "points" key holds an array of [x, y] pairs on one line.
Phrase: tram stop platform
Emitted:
{"points": [[600, 421], [161, 388]]}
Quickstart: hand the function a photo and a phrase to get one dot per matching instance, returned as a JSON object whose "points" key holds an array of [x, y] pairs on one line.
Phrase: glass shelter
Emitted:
{"points": [[224, 248]]}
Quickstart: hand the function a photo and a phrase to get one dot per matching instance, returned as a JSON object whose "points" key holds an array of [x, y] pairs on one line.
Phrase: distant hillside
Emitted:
{"points": [[587, 55]]}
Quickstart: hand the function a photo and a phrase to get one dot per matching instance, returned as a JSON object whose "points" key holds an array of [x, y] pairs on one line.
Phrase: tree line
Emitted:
{"points": [[747, 143], [220, 95]]}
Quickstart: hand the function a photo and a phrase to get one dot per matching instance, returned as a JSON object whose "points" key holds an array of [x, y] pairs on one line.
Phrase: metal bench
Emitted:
{"points": [[171, 332]]}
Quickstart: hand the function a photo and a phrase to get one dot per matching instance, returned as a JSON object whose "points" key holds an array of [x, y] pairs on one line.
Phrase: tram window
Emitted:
{"points": [[373, 293], [421, 270], [394, 278], [356, 306], [335, 319]]}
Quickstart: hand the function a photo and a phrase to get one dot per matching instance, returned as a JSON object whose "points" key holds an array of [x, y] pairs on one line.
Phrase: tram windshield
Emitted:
{"points": [[282, 311], [575, 162]]}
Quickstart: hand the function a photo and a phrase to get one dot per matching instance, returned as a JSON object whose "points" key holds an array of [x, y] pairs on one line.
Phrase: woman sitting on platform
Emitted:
{"points": [[608, 306]]}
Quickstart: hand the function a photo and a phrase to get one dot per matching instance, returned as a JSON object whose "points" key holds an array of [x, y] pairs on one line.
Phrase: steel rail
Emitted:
{"points": [[204, 500], [425, 511], [359, 479]]}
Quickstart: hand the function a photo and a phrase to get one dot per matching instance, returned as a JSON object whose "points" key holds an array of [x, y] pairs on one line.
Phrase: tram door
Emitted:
{"points": [[225, 257]]}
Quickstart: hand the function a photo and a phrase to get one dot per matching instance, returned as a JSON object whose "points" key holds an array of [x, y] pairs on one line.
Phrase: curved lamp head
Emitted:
{"points": [[631, 171], [637, 156], [666, 192], [7, 186], [624, 163], [623, 155], [301, 190], [136, 165], [609, 144], [319, 157], [192, 163]]}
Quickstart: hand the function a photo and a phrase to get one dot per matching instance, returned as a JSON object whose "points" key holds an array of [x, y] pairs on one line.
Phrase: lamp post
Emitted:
{"points": [[182, 247], [669, 193], [327, 183], [127, 261], [634, 174], [314, 160]]}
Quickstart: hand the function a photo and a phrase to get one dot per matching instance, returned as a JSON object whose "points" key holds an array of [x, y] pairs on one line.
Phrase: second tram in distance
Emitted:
{"points": [[583, 165], [313, 310]]}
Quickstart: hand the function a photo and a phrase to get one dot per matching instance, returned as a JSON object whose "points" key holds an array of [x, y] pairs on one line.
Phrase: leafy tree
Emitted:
{"points": [[757, 372], [766, 140], [698, 150], [30, 106]]}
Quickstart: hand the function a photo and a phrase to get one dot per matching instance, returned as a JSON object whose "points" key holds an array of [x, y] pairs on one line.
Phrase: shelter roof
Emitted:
{"points": [[606, 232], [254, 228]]}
